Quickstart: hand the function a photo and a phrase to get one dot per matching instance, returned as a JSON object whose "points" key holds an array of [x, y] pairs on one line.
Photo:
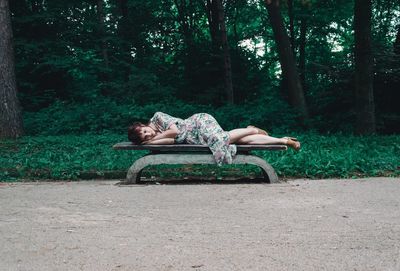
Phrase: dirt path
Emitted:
{"points": [[298, 225]]}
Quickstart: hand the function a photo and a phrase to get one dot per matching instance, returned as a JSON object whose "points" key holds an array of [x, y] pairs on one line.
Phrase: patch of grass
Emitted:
{"points": [[339, 156], [63, 157], [88, 156]]}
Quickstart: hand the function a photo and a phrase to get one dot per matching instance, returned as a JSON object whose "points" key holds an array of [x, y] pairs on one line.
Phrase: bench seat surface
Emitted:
{"points": [[191, 148]]}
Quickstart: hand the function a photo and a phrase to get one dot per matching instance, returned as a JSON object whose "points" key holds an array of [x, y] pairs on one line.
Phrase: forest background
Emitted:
{"points": [[328, 71]]}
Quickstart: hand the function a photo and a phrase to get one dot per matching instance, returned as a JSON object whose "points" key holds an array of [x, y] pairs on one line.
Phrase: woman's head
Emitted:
{"points": [[139, 132]]}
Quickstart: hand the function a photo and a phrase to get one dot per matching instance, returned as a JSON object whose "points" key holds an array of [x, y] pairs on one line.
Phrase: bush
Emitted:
{"points": [[106, 115]]}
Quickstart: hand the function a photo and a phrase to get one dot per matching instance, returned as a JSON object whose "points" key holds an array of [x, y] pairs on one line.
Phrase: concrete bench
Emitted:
{"points": [[194, 154]]}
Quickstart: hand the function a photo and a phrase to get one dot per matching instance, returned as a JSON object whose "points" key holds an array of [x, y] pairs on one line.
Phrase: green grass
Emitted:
{"points": [[72, 157]]}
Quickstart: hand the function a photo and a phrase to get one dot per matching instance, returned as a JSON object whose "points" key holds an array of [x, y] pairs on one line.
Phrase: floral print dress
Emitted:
{"points": [[199, 129]]}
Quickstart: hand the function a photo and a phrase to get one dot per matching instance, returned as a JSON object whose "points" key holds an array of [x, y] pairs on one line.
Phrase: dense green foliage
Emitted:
{"points": [[80, 69], [91, 156], [86, 71], [106, 115]]}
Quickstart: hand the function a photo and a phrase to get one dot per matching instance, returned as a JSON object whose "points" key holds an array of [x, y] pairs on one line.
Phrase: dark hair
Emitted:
{"points": [[134, 133]]}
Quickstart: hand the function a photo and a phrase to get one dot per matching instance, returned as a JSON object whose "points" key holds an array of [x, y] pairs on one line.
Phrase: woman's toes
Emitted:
{"points": [[293, 144]]}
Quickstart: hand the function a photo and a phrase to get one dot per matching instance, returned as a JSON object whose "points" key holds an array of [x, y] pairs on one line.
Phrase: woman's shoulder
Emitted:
{"points": [[158, 113], [163, 117]]}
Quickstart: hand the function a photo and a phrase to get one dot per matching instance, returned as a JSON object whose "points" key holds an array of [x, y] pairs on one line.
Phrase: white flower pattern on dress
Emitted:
{"points": [[199, 129]]}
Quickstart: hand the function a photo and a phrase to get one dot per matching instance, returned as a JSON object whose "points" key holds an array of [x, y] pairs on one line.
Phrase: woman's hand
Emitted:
{"points": [[163, 141], [170, 133]]}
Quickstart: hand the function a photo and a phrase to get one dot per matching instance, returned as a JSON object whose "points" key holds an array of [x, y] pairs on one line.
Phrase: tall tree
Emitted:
{"points": [[102, 32], [302, 51], [364, 95], [123, 32], [10, 112], [291, 24], [213, 23], [186, 21], [219, 39], [397, 41], [286, 58], [226, 54]]}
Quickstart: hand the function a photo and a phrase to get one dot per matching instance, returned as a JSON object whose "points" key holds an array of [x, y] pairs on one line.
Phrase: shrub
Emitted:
{"points": [[106, 115]]}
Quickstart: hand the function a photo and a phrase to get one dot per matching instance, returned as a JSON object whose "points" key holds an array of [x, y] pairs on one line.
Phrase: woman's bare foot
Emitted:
{"points": [[292, 138], [293, 143], [260, 131]]}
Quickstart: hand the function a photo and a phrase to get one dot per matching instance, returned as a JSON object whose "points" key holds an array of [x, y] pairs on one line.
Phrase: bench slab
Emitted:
{"points": [[194, 154], [191, 148]]}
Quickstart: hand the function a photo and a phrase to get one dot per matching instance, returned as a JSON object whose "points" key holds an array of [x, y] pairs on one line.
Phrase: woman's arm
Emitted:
{"points": [[163, 141], [170, 133]]}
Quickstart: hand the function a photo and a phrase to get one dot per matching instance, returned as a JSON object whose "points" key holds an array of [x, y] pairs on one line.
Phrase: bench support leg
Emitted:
{"points": [[135, 170]]}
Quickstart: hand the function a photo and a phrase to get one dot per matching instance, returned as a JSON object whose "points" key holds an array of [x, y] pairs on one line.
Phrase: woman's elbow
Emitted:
{"points": [[173, 131], [174, 134]]}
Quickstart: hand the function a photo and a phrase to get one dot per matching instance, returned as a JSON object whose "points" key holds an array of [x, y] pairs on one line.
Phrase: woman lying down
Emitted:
{"points": [[202, 129]]}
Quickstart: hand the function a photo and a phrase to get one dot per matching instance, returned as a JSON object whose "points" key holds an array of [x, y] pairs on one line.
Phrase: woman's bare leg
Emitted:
{"points": [[247, 136], [239, 133], [261, 140], [265, 140]]}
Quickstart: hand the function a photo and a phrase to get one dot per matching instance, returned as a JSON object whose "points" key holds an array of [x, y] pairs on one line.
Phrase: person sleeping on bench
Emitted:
{"points": [[202, 129]]}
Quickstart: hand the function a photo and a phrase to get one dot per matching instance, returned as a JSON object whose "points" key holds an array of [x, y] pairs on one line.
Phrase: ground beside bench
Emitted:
{"points": [[194, 154]]}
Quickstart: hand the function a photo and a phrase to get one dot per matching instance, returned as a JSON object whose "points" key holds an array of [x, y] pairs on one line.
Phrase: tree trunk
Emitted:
{"points": [[219, 39], [125, 45], [226, 54], [397, 42], [10, 112], [101, 31], [365, 108], [185, 21], [235, 32], [213, 23], [286, 58], [291, 25], [101, 35], [302, 52]]}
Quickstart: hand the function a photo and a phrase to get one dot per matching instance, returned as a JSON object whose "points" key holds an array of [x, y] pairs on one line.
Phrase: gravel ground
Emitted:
{"points": [[296, 225]]}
